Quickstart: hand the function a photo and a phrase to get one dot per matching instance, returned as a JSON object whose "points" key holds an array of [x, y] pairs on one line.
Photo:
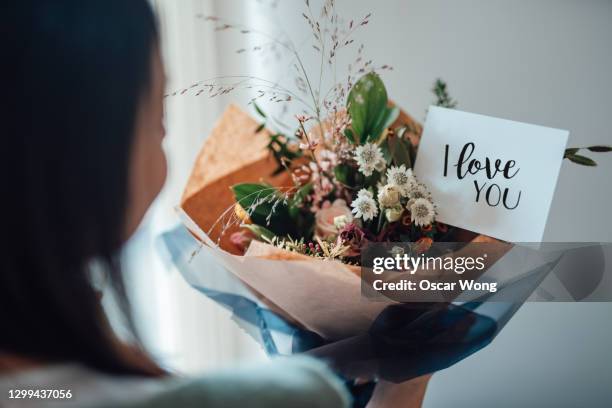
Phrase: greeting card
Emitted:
{"points": [[492, 176]]}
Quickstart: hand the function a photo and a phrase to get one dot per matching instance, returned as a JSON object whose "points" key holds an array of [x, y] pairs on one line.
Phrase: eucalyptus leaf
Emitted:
{"points": [[600, 149], [570, 151], [583, 160]]}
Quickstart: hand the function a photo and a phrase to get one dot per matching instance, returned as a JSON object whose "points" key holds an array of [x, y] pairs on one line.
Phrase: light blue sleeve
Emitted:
{"points": [[283, 382]]}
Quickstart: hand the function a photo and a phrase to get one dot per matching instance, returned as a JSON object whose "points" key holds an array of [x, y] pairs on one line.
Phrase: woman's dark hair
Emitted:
{"points": [[74, 74]]}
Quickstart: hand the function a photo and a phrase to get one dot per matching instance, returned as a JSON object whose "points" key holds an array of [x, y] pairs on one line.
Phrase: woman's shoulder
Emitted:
{"points": [[295, 382]]}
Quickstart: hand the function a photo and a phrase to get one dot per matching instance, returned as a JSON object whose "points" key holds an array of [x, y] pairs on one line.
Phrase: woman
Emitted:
{"points": [[82, 161]]}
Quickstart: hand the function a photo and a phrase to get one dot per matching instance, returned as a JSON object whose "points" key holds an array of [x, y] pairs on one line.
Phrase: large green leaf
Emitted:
{"points": [[367, 106], [386, 119]]}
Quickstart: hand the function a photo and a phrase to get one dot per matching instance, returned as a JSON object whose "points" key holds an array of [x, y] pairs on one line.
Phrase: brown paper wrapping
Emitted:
{"points": [[233, 153]]}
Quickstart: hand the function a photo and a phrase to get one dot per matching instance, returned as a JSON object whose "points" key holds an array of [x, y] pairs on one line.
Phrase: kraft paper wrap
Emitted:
{"points": [[233, 153]]}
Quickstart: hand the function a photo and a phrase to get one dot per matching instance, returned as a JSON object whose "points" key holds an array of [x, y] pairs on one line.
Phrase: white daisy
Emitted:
{"points": [[364, 193], [397, 251], [422, 212], [368, 156], [380, 165], [364, 206], [402, 178], [416, 191]]}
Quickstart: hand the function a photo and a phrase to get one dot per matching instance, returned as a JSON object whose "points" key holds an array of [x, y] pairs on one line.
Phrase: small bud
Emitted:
{"points": [[341, 221], [394, 214]]}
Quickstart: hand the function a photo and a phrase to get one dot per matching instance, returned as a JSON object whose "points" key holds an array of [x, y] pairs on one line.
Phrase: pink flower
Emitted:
{"points": [[324, 218], [308, 146], [241, 240]]}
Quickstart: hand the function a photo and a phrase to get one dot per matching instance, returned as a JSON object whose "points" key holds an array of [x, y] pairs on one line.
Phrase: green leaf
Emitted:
{"points": [[258, 109], [342, 172], [384, 147], [301, 194], [254, 195], [259, 231], [367, 106], [401, 151], [600, 149], [571, 151], [282, 153], [386, 119], [265, 206], [260, 127], [583, 160], [442, 96], [372, 180], [298, 199]]}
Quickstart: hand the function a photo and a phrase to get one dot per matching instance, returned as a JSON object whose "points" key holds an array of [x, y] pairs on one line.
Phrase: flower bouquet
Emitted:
{"points": [[290, 215]]}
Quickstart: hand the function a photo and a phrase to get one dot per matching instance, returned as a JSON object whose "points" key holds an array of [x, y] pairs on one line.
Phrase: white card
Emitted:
{"points": [[510, 202]]}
